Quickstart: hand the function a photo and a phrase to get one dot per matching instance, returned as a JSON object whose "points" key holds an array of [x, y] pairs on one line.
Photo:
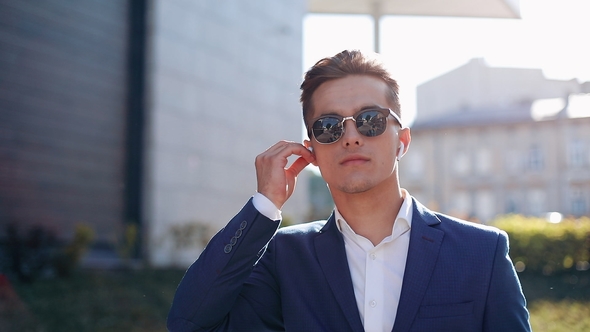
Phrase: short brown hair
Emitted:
{"points": [[345, 63]]}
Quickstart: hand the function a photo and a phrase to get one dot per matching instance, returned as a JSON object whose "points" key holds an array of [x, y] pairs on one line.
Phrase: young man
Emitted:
{"points": [[381, 262]]}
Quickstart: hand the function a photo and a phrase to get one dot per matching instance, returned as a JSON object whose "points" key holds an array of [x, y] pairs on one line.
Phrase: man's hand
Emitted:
{"points": [[275, 181]]}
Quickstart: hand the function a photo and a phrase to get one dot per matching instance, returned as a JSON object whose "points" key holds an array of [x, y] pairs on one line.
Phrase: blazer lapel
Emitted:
{"points": [[425, 242], [331, 254]]}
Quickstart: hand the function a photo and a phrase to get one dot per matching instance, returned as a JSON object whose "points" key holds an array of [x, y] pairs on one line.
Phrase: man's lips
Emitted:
{"points": [[353, 160]]}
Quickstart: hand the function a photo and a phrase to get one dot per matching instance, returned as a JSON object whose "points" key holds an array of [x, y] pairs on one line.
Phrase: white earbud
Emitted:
{"points": [[310, 149], [400, 153]]}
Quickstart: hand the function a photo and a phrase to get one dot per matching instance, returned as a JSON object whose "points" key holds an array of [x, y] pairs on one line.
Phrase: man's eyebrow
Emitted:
{"points": [[360, 109], [370, 107], [328, 113]]}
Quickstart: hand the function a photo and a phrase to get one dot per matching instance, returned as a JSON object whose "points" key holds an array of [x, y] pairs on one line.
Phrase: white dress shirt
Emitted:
{"points": [[377, 272]]}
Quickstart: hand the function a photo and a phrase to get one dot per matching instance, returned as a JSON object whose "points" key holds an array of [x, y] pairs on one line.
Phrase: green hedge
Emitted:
{"points": [[539, 246]]}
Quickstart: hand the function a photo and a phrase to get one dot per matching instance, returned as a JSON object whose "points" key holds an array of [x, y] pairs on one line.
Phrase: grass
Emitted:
{"points": [[558, 303], [560, 316], [139, 301]]}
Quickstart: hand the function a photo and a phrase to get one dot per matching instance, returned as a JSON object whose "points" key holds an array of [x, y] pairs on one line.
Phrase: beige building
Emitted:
{"points": [[490, 141]]}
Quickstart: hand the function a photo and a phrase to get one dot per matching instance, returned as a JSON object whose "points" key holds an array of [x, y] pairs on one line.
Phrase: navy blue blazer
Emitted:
{"points": [[458, 277]]}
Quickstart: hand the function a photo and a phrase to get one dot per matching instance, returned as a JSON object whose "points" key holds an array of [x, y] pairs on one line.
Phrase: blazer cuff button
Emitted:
{"points": [[227, 248]]}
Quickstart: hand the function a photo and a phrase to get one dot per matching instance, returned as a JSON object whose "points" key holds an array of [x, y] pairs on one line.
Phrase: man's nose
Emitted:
{"points": [[351, 134]]}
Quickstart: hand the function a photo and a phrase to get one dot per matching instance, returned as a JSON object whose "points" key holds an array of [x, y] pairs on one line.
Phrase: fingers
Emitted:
{"points": [[288, 148], [298, 166], [275, 181], [292, 173]]}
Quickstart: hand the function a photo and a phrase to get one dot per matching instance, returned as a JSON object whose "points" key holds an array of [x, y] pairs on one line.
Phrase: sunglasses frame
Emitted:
{"points": [[342, 120]]}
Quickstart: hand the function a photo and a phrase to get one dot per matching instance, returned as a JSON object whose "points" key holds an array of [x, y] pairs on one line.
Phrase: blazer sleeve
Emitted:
{"points": [[506, 305], [215, 293]]}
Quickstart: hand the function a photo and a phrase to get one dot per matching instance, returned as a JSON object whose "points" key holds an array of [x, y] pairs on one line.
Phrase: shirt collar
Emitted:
{"points": [[403, 221]]}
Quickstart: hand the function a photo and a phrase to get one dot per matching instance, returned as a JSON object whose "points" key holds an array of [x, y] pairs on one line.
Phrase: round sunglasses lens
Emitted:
{"points": [[371, 123], [327, 130]]}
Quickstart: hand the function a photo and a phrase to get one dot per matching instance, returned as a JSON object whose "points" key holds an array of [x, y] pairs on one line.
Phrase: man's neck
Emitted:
{"points": [[369, 215]]}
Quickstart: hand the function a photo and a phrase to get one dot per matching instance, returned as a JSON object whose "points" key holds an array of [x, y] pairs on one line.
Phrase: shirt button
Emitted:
{"points": [[373, 304], [373, 256]]}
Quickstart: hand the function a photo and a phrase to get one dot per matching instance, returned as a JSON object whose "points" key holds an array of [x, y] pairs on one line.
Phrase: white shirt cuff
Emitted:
{"points": [[266, 207]]}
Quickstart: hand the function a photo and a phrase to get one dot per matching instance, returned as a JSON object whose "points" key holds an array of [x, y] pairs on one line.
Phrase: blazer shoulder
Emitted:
{"points": [[461, 226], [446, 223], [312, 227]]}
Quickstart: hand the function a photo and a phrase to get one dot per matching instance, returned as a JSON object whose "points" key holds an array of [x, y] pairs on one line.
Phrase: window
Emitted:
{"points": [[512, 161], [536, 160], [576, 153], [484, 205], [483, 161], [415, 164], [511, 205], [536, 201], [578, 203], [462, 204], [462, 164]]}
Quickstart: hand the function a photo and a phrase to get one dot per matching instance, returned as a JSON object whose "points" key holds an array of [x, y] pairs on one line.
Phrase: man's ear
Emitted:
{"points": [[405, 137], [307, 144]]}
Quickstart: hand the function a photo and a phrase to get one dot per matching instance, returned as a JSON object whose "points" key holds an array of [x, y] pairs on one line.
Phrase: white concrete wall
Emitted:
{"points": [[223, 86]]}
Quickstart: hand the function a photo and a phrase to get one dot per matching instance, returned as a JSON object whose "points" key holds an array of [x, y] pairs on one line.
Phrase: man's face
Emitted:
{"points": [[356, 163]]}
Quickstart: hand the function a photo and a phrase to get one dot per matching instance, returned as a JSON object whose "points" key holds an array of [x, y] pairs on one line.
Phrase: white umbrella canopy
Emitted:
{"points": [[461, 8], [456, 8]]}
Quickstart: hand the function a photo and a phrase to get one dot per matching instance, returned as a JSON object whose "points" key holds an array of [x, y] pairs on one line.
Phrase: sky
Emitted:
{"points": [[552, 35]]}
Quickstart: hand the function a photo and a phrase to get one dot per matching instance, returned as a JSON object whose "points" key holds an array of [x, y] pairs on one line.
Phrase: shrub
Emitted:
{"points": [[69, 257], [540, 246], [28, 253], [127, 243]]}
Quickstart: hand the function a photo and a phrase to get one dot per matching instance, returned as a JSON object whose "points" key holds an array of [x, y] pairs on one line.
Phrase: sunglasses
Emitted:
{"points": [[369, 122]]}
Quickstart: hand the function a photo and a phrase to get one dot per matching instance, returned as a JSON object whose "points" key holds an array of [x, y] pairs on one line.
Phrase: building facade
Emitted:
{"points": [[144, 113], [477, 157], [63, 107], [223, 87]]}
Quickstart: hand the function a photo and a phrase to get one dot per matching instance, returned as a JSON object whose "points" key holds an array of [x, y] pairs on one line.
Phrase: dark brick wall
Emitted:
{"points": [[63, 90]]}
